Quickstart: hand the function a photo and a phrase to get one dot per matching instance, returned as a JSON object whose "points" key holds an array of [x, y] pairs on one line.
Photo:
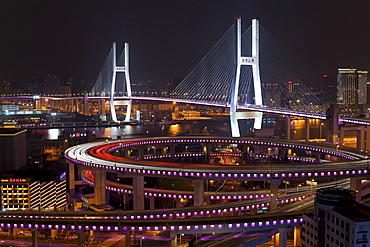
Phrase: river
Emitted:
{"points": [[218, 128]]}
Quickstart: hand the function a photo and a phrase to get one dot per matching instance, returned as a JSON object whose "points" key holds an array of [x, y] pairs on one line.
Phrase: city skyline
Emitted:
{"points": [[168, 39]]}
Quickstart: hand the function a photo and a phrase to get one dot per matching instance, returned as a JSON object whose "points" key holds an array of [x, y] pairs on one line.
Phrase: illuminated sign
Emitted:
{"points": [[248, 60], [14, 180], [63, 176], [78, 135]]}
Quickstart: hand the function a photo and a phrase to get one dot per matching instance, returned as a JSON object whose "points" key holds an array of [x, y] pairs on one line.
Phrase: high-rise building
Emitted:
{"points": [[329, 93], [12, 149], [352, 87], [338, 221]]}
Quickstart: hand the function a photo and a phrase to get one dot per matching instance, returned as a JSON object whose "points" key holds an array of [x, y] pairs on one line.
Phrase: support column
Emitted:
{"points": [[360, 143], [355, 185], [152, 202], [178, 203], [102, 101], [207, 151], [138, 186], [288, 126], [332, 124], [274, 188], [282, 237], [173, 237], [127, 239], [99, 186], [53, 233], [307, 134], [198, 192], [34, 238], [367, 138], [141, 153], [125, 202], [71, 177], [126, 152], [341, 137], [297, 236], [172, 152], [86, 105], [72, 105], [80, 238]]}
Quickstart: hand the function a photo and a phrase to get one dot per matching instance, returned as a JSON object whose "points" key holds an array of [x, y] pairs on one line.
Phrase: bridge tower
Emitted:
{"points": [[254, 62], [120, 69]]}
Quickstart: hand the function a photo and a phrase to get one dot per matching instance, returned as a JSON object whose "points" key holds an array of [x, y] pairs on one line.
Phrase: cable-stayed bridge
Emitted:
{"points": [[244, 71], [240, 72]]}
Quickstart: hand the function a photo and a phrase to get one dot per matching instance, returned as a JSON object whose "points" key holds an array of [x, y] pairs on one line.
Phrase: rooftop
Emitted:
{"points": [[10, 131], [358, 213]]}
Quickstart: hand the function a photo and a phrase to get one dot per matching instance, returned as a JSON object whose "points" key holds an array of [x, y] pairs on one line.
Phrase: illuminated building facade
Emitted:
{"points": [[15, 194], [291, 86], [22, 194], [351, 87], [56, 148]]}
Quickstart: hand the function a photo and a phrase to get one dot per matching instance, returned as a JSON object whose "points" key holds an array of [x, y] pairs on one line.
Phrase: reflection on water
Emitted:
{"points": [[217, 128]]}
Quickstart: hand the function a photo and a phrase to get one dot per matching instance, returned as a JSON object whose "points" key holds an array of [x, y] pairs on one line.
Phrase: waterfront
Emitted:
{"points": [[217, 128]]}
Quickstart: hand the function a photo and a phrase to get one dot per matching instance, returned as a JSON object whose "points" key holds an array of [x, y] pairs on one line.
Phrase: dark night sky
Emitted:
{"points": [[168, 38]]}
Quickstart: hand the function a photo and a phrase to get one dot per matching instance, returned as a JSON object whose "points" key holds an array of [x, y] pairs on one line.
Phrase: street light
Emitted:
{"points": [[141, 241], [182, 234], [299, 185], [312, 180]]}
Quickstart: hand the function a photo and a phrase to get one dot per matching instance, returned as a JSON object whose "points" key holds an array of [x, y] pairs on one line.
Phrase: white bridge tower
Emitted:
{"points": [[119, 69], [254, 62]]}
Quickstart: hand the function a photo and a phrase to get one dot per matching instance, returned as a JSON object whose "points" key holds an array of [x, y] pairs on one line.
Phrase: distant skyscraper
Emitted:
{"points": [[351, 86], [329, 89]]}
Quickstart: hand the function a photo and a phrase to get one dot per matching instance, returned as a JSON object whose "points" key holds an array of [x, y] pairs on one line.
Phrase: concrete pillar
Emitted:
{"points": [[34, 238], [355, 185], [72, 105], [80, 238], [341, 137], [207, 151], [282, 237], [86, 105], [360, 143], [274, 187], [102, 101], [198, 192], [53, 233], [307, 131], [138, 186], [99, 186], [288, 126], [332, 121], [71, 177], [318, 157], [152, 202], [253, 211], [127, 239], [276, 239], [126, 152], [173, 237], [367, 138], [297, 236], [125, 202], [141, 153], [178, 203], [172, 152]]}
